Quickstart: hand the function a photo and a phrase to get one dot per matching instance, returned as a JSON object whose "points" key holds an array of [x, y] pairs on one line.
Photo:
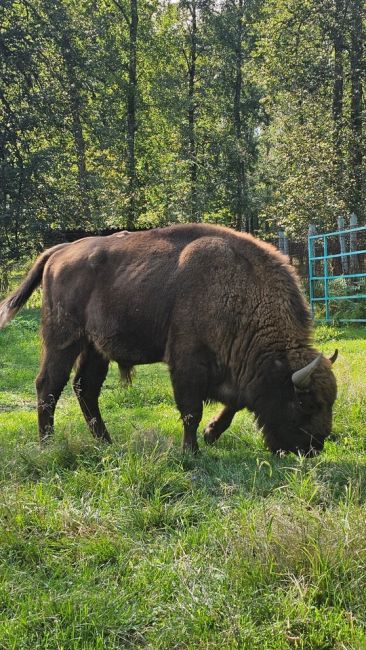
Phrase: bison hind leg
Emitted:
{"points": [[52, 378], [91, 371]]}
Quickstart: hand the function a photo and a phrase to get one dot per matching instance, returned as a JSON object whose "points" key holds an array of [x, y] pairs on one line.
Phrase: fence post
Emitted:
{"points": [[312, 231], [342, 244], [326, 276], [353, 261], [285, 245], [281, 236], [311, 251]]}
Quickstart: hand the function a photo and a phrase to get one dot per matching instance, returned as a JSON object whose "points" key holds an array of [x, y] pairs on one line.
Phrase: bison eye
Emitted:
{"points": [[305, 401]]}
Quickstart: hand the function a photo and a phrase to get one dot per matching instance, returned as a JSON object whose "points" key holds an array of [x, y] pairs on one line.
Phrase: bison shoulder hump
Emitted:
{"points": [[204, 249]]}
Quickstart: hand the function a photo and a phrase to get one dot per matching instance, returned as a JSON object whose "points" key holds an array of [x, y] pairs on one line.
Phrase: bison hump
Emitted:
{"points": [[205, 251]]}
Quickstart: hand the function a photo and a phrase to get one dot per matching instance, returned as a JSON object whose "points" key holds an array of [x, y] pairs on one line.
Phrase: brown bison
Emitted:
{"points": [[222, 309]]}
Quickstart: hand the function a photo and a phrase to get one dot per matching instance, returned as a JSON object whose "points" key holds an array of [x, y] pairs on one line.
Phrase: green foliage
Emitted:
{"points": [[135, 545], [304, 161], [256, 138]]}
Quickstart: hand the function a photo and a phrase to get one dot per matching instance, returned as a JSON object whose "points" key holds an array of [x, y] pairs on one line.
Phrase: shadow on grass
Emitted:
{"points": [[248, 469]]}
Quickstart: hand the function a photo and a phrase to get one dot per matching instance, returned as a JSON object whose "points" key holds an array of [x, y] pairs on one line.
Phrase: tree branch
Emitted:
{"points": [[123, 12]]}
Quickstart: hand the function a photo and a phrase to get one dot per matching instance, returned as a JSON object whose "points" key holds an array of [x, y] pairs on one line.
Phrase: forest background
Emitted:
{"points": [[140, 113]]}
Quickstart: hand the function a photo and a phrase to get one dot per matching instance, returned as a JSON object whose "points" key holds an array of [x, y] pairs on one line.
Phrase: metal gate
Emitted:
{"points": [[337, 275]]}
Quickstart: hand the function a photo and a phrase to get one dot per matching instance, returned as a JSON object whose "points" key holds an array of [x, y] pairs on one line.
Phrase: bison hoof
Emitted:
{"points": [[209, 436], [191, 449]]}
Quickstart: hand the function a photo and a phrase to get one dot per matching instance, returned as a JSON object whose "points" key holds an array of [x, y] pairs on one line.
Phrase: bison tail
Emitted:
{"points": [[11, 305]]}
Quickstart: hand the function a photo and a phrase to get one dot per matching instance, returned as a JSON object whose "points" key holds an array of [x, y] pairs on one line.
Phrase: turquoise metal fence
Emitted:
{"points": [[325, 269]]}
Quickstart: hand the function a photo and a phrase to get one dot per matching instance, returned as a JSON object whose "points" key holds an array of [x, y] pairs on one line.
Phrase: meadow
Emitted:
{"points": [[134, 545]]}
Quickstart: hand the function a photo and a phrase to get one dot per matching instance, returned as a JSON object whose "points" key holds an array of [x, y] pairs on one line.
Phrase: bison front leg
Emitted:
{"points": [[190, 425], [188, 396], [218, 425]]}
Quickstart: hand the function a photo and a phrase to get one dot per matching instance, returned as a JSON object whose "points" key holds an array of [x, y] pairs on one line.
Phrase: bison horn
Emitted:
{"points": [[301, 378], [334, 356]]}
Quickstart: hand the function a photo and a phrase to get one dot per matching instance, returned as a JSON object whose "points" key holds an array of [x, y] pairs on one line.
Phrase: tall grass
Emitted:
{"points": [[137, 546]]}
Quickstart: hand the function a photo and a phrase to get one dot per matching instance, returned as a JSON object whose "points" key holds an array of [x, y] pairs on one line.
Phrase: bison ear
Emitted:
{"points": [[334, 356], [301, 379]]}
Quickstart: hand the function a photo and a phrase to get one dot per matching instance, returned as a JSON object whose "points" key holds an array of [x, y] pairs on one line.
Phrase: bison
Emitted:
{"points": [[222, 309]]}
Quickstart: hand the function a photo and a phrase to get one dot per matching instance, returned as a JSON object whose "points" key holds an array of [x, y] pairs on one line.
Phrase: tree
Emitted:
{"points": [[240, 107], [191, 59], [140, 113], [338, 92], [311, 84], [132, 20], [237, 116], [356, 139]]}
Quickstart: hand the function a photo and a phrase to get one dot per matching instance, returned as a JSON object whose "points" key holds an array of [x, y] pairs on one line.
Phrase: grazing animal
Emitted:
{"points": [[222, 309]]}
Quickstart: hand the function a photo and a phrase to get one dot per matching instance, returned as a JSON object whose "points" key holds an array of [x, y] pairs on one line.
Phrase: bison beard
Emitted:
{"points": [[222, 309]]}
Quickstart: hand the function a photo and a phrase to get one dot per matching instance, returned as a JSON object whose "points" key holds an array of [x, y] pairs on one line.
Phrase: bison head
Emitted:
{"points": [[295, 408]]}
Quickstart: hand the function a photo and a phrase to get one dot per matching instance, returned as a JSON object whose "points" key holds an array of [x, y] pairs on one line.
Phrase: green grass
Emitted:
{"points": [[136, 546]]}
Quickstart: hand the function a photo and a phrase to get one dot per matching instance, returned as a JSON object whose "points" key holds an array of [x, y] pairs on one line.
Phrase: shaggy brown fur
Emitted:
{"points": [[222, 309]]}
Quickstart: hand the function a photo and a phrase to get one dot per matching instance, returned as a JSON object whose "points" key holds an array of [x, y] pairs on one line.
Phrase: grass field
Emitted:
{"points": [[136, 546]]}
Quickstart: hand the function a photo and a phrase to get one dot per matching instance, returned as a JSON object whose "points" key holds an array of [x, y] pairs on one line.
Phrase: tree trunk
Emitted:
{"points": [[239, 161], [338, 43], [77, 128], [356, 53], [131, 115], [192, 144]]}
